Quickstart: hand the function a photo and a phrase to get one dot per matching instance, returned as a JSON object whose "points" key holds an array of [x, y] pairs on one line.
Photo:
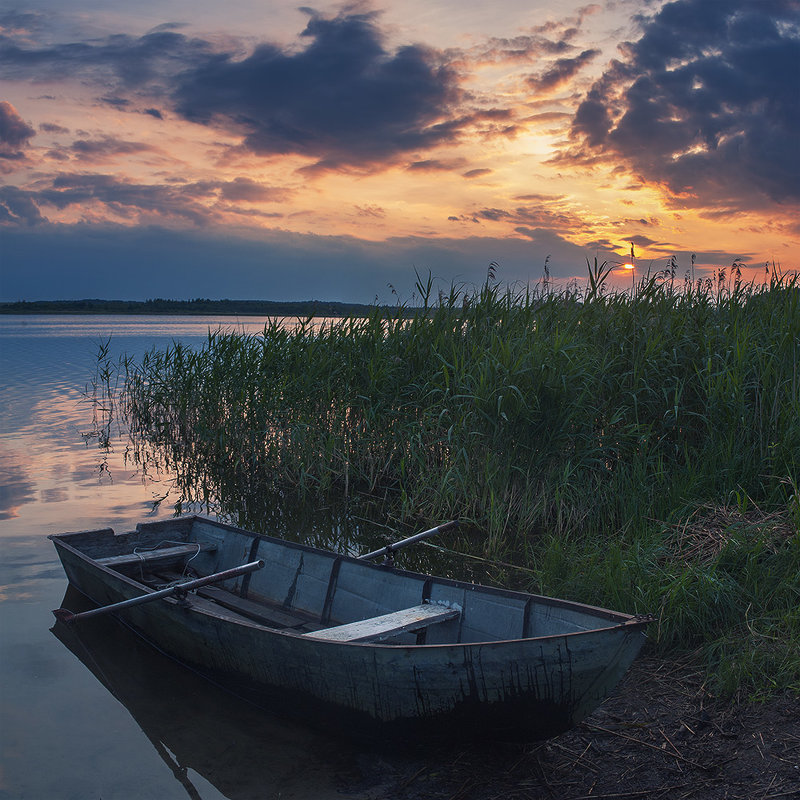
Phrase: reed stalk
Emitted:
{"points": [[573, 429]]}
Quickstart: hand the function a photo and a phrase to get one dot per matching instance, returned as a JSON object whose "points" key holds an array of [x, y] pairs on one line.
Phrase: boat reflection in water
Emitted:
{"points": [[195, 727]]}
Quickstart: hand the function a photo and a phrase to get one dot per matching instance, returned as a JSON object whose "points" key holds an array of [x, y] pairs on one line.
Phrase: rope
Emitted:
{"points": [[491, 561], [140, 551]]}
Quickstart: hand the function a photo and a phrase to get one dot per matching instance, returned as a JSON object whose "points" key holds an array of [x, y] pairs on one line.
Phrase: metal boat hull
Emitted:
{"points": [[458, 682]]}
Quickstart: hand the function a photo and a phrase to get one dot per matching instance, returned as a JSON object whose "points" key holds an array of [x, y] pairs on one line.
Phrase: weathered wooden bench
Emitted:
{"points": [[377, 629], [161, 555]]}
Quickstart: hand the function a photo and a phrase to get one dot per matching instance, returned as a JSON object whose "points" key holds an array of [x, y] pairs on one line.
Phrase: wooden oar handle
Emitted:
{"points": [[390, 548], [65, 615]]}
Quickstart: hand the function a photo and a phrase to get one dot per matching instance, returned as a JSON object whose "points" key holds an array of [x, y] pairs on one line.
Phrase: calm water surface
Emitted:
{"points": [[93, 713]]}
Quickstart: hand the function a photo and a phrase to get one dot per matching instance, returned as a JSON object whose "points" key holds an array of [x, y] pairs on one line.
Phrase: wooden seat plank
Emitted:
{"points": [[377, 629], [154, 556]]}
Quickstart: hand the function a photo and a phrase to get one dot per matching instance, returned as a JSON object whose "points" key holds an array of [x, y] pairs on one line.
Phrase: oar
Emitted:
{"points": [[389, 549], [178, 590]]}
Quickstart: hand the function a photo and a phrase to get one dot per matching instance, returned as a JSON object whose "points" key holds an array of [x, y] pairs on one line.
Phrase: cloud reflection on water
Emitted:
{"points": [[53, 477], [16, 488]]}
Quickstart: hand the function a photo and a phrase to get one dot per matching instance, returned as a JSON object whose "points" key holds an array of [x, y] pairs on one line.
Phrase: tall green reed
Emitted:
{"points": [[572, 428], [520, 411]]}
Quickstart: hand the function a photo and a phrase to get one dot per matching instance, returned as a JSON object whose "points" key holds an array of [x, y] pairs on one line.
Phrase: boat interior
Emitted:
{"points": [[309, 592]]}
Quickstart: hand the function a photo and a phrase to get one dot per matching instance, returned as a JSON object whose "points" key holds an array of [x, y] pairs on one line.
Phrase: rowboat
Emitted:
{"points": [[345, 642]]}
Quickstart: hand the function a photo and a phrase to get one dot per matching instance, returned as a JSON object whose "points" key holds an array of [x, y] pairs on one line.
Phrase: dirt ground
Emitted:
{"points": [[660, 736]]}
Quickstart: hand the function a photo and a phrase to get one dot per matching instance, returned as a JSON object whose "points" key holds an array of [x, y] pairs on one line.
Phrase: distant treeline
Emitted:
{"points": [[262, 308]]}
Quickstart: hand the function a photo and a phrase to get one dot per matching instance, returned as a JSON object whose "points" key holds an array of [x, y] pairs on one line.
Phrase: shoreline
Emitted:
{"points": [[661, 734], [159, 307]]}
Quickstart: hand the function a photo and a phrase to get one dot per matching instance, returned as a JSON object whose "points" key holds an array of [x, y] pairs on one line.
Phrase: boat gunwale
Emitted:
{"points": [[622, 620]]}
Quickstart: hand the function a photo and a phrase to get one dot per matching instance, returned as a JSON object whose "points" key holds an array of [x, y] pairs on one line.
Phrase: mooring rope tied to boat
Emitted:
{"points": [[491, 561], [141, 550]]}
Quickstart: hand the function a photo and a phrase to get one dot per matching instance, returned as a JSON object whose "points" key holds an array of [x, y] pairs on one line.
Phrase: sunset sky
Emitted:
{"points": [[257, 149]]}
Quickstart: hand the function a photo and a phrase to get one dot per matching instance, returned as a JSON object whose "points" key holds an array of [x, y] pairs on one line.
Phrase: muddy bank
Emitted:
{"points": [[660, 735]]}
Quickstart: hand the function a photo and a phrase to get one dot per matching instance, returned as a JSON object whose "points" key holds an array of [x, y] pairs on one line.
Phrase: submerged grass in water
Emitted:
{"points": [[579, 432]]}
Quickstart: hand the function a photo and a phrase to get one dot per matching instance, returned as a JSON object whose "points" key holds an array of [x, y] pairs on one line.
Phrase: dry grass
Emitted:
{"points": [[709, 530]]}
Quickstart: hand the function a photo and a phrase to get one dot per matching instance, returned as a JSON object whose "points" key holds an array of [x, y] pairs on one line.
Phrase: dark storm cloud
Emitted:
{"points": [[17, 207], [705, 103], [116, 102], [523, 48], [561, 72], [15, 133], [376, 212], [545, 212], [343, 100], [192, 202], [124, 104], [436, 165], [125, 199], [19, 22], [51, 127], [553, 37], [106, 148], [540, 198], [124, 62], [641, 241], [248, 191], [479, 172]]}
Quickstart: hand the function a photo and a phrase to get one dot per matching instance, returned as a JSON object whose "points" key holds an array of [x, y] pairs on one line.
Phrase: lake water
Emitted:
{"points": [[94, 714]]}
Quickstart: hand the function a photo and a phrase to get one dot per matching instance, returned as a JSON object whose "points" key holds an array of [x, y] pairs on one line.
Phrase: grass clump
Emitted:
{"points": [[724, 584], [578, 431]]}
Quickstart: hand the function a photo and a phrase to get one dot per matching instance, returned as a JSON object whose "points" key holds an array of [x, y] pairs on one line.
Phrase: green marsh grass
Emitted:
{"points": [[576, 431]]}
